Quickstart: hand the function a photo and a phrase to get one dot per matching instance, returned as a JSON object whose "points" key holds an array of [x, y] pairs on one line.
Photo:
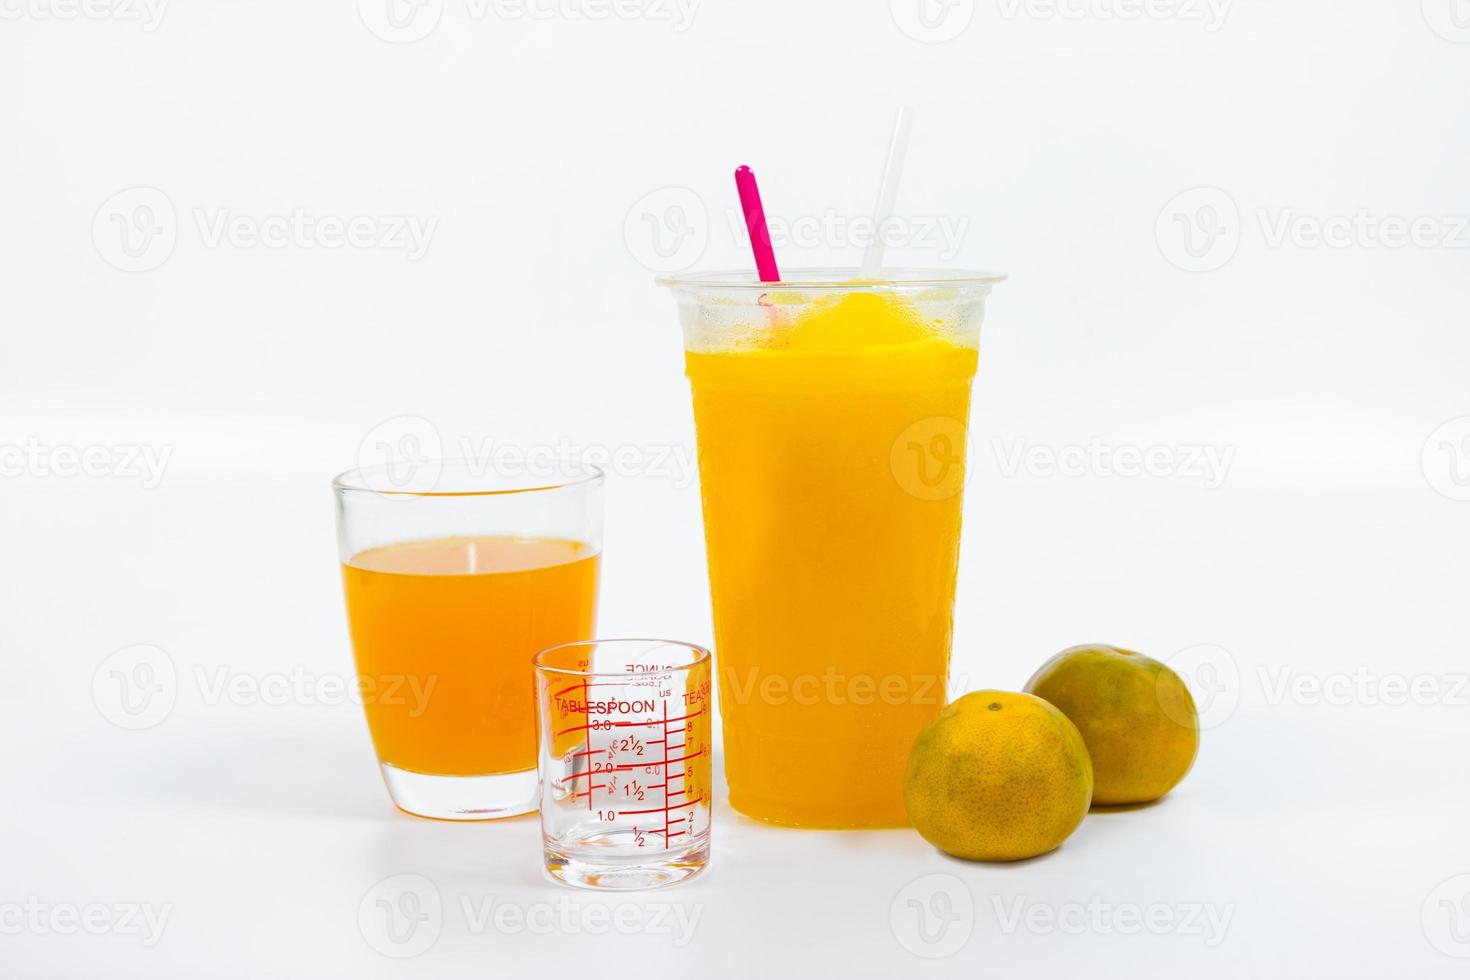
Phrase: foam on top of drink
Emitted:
{"points": [[853, 321]]}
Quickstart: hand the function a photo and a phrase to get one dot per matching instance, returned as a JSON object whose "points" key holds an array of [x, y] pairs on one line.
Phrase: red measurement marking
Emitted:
{"points": [[603, 725], [666, 770], [582, 687], [695, 755]]}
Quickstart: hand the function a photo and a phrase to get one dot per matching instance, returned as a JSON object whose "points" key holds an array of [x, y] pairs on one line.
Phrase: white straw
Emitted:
{"points": [[898, 148]]}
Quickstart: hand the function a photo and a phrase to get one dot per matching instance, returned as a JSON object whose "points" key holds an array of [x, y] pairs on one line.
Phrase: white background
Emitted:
{"points": [[1326, 829]]}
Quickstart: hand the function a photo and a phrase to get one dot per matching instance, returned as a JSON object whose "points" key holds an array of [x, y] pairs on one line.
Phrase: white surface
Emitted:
{"points": [[1332, 547]]}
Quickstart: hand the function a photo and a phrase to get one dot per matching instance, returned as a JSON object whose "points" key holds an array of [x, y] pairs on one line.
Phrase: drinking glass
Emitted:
{"points": [[456, 573]]}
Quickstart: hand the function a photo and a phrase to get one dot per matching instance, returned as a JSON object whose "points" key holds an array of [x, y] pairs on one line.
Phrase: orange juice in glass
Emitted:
{"points": [[832, 419], [455, 577]]}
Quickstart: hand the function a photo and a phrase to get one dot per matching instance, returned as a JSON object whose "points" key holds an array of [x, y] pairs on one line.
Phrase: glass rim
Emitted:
{"points": [[356, 480], [702, 655], [832, 277]]}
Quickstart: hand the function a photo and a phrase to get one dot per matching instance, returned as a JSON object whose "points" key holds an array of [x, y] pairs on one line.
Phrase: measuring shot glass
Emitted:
{"points": [[625, 761]]}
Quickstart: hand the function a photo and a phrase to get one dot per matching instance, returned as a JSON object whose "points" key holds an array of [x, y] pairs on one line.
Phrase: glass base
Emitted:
{"points": [[588, 864], [462, 797]]}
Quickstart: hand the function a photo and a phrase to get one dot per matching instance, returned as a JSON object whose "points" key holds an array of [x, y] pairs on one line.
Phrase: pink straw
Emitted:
{"points": [[755, 225]]}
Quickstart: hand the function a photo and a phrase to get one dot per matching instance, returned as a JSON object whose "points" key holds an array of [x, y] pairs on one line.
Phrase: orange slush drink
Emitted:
{"points": [[444, 631], [833, 545]]}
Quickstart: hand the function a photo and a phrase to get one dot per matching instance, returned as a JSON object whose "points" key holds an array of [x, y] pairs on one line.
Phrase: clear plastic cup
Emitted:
{"points": [[832, 419]]}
